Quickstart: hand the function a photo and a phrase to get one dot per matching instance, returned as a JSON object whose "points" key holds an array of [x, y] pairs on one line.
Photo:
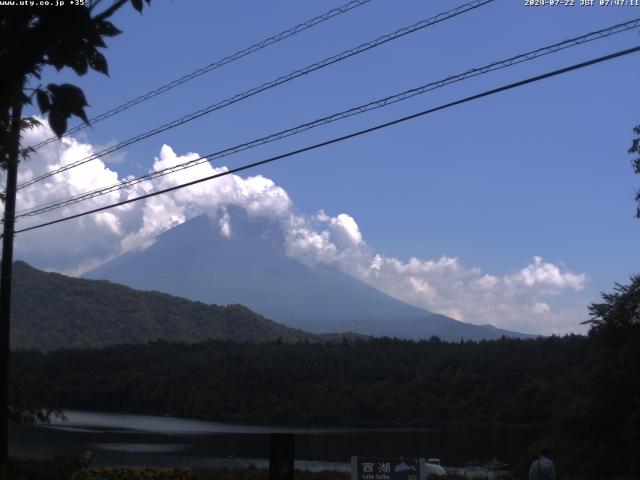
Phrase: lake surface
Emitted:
{"points": [[139, 440]]}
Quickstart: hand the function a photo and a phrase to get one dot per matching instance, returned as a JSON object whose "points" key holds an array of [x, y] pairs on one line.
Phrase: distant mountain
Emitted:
{"points": [[52, 311], [250, 267]]}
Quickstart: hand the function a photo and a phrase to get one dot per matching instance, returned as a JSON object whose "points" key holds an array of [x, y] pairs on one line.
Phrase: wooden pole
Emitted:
{"points": [[5, 283], [281, 454]]}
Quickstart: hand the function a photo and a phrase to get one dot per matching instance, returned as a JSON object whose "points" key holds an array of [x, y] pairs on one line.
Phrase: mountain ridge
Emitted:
{"points": [[251, 267], [52, 311]]}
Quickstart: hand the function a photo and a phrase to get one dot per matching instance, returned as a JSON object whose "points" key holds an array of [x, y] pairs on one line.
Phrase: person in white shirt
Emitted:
{"points": [[542, 468]]}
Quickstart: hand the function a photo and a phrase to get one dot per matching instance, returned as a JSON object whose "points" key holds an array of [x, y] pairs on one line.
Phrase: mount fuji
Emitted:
{"points": [[197, 261]]}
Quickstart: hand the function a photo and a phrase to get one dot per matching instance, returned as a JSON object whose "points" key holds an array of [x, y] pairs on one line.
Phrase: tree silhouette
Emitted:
{"points": [[635, 149], [31, 38], [35, 37], [600, 435], [619, 311]]}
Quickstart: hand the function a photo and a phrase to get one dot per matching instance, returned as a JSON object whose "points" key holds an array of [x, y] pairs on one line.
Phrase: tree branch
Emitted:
{"points": [[110, 11]]}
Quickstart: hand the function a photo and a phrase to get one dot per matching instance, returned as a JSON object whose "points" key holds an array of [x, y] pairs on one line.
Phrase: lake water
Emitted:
{"points": [[139, 440]]}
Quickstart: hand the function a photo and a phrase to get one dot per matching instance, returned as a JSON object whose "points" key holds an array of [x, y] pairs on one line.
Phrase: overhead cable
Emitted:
{"points": [[268, 85], [344, 137], [212, 66], [524, 57]]}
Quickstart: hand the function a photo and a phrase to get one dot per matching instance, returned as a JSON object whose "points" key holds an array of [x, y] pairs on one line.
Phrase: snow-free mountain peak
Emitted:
{"points": [[243, 260]]}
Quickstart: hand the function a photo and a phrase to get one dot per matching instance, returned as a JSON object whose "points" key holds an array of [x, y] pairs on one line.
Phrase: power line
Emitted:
{"points": [[345, 137], [212, 66], [524, 57], [266, 86]]}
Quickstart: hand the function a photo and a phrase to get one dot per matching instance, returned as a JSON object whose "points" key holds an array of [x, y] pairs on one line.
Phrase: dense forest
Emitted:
{"points": [[380, 382], [599, 433], [53, 311], [586, 389]]}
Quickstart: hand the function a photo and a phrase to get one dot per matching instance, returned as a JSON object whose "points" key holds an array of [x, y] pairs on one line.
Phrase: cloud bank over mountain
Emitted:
{"points": [[537, 296]]}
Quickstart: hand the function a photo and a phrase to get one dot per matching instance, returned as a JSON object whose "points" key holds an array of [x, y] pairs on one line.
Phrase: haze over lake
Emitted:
{"points": [[140, 440]]}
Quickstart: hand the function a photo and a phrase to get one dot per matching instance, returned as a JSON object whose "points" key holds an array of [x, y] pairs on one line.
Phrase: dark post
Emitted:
{"points": [[281, 453], [5, 284]]}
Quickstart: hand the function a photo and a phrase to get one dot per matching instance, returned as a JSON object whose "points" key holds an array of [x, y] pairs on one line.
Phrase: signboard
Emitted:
{"points": [[386, 468]]}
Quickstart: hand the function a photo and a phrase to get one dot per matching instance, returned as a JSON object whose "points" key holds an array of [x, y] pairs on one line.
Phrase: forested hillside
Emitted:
{"points": [[53, 311], [379, 382], [195, 260]]}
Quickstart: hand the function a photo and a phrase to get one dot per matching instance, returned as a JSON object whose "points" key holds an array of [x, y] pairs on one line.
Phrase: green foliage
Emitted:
{"points": [[62, 101], [601, 434], [29, 402], [619, 312], [33, 37], [74, 312], [381, 382]]}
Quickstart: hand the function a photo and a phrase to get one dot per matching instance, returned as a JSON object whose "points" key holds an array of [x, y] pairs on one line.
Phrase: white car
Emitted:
{"points": [[432, 468]]}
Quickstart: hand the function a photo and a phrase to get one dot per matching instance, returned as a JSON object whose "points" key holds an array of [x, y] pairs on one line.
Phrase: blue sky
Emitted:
{"points": [[537, 171]]}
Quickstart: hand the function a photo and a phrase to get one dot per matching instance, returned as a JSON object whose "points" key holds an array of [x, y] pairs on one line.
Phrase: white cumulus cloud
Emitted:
{"points": [[546, 274], [537, 297]]}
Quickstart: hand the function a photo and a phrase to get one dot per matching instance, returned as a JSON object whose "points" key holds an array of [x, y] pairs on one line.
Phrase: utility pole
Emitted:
{"points": [[32, 49], [281, 456], [5, 279]]}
